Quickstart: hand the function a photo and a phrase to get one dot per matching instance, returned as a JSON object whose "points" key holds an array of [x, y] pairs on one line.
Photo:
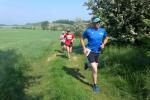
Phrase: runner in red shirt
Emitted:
{"points": [[69, 38]]}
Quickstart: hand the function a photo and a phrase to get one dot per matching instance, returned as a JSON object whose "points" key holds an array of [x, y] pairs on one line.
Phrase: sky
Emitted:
{"points": [[30, 11]]}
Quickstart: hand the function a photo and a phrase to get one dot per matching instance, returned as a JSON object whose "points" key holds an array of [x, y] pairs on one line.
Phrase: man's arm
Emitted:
{"points": [[73, 38], [104, 42], [83, 44]]}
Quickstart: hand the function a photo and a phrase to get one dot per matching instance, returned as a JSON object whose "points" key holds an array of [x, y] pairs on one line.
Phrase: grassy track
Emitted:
{"points": [[63, 79]]}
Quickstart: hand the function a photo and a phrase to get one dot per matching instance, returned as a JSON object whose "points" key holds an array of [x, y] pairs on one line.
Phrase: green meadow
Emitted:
{"points": [[32, 67]]}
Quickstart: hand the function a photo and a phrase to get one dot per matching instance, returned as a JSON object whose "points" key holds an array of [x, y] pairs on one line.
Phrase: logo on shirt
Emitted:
{"points": [[69, 37], [101, 33]]}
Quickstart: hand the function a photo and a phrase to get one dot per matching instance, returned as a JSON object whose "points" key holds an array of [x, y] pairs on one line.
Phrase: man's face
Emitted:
{"points": [[97, 25]]}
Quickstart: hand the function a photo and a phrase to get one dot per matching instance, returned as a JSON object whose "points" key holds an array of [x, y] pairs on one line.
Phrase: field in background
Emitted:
{"points": [[28, 42], [32, 67]]}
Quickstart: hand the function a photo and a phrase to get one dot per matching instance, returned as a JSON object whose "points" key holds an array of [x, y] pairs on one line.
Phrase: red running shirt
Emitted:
{"points": [[69, 38]]}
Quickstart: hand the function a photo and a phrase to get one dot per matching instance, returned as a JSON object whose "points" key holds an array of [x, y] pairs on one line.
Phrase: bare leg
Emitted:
{"points": [[94, 71], [68, 51]]}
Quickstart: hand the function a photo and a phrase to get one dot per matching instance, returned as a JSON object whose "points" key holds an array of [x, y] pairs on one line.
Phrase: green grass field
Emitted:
{"points": [[35, 69]]}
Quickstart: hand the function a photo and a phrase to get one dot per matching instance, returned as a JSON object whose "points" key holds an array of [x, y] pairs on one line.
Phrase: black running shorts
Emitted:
{"points": [[93, 57], [62, 43]]}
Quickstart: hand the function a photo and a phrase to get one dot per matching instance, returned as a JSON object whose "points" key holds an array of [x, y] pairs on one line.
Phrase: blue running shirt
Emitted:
{"points": [[95, 38]]}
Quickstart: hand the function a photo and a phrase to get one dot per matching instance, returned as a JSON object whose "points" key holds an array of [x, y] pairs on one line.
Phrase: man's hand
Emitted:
{"points": [[104, 42], [72, 41], [86, 51], [102, 46]]}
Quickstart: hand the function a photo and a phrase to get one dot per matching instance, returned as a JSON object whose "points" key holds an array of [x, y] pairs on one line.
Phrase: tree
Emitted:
{"points": [[79, 26], [124, 19], [45, 25]]}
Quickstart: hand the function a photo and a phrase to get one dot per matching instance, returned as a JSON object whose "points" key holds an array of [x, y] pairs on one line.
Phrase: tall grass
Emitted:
{"points": [[13, 75], [128, 69]]}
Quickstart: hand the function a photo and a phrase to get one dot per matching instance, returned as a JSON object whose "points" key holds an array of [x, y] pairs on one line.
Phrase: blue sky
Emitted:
{"points": [[26, 11]]}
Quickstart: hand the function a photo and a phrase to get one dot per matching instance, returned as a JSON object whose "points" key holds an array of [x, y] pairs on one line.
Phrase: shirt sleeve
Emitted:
{"points": [[65, 36], [84, 34], [105, 34], [73, 36]]}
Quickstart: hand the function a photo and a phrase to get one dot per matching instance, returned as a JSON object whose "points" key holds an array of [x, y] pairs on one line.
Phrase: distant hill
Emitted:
{"points": [[3, 25], [64, 21]]}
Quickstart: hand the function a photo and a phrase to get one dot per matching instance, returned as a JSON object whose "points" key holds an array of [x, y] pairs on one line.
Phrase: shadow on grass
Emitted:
{"points": [[59, 51], [13, 77], [62, 55], [74, 72], [77, 49]]}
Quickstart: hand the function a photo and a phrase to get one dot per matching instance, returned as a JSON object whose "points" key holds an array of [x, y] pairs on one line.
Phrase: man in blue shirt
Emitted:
{"points": [[97, 38]]}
